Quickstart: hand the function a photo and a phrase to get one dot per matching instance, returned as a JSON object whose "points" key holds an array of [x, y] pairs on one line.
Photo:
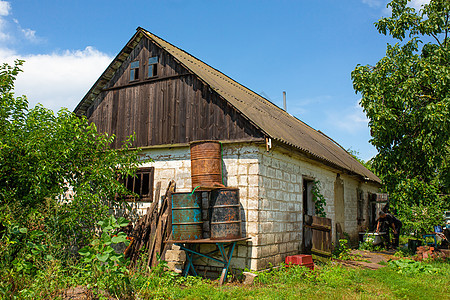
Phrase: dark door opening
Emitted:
{"points": [[309, 211]]}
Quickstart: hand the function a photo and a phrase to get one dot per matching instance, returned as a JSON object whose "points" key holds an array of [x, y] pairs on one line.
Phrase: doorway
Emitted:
{"points": [[339, 205], [309, 210]]}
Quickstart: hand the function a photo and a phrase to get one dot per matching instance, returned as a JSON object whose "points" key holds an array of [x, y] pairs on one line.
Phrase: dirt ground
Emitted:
{"points": [[369, 259]]}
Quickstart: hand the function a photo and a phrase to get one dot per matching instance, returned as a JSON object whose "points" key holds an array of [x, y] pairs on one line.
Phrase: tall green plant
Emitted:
{"points": [[103, 267], [58, 174], [407, 100]]}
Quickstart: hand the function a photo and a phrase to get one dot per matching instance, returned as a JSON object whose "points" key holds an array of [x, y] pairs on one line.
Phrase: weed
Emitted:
{"points": [[343, 251], [409, 266], [102, 268]]}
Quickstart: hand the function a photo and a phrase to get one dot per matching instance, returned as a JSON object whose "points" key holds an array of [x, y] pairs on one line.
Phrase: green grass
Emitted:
{"points": [[328, 282]]}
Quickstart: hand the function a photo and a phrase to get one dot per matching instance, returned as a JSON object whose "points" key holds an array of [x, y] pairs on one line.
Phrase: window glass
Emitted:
{"points": [[134, 64], [134, 70], [152, 67]]}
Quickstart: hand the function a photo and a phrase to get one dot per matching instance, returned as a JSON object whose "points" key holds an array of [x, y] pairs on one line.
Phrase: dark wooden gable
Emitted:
{"points": [[173, 107]]}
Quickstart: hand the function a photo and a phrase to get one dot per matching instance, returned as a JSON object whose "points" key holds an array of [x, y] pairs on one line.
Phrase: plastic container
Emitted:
{"points": [[375, 237], [300, 260]]}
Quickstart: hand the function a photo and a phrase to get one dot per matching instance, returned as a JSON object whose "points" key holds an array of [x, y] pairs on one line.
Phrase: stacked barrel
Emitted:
{"points": [[224, 206]]}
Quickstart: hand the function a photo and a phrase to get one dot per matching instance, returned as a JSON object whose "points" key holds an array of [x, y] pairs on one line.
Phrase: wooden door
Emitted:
{"points": [[308, 212], [321, 237]]}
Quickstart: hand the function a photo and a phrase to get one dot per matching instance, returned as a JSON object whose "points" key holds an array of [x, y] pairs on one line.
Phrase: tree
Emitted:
{"points": [[58, 175], [407, 100]]}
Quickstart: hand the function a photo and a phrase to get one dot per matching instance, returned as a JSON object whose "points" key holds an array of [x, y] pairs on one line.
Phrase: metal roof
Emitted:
{"points": [[269, 118]]}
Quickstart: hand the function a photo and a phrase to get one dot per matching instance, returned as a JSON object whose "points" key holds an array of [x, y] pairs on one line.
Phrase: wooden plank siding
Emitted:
{"points": [[171, 108]]}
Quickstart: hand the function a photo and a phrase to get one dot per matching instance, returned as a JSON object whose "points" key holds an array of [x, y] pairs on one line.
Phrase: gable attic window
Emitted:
{"points": [[152, 66], [134, 70], [141, 184]]}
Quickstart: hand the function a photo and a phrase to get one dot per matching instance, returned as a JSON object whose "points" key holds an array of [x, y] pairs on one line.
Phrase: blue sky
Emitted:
{"points": [[306, 48]]}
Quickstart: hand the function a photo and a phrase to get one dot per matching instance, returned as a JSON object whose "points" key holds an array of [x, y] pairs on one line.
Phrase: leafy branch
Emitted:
{"points": [[319, 199]]}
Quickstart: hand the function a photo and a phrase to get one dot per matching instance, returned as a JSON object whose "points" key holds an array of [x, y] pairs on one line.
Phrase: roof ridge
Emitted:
{"points": [[265, 115], [230, 80]]}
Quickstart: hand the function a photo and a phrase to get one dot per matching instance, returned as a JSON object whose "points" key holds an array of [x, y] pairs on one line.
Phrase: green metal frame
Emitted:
{"points": [[190, 253]]}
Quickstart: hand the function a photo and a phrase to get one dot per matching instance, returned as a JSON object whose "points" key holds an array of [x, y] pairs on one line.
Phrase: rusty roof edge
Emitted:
{"points": [[347, 153], [330, 163], [126, 49]]}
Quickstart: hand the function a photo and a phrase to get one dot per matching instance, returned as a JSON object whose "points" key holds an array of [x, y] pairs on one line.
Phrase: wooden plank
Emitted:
{"points": [[181, 104], [319, 227], [321, 240]]}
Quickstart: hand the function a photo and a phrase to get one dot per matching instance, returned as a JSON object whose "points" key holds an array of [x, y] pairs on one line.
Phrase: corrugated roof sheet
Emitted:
{"points": [[275, 122]]}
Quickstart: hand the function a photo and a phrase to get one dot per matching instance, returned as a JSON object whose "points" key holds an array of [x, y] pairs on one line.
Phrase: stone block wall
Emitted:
{"points": [[281, 204], [240, 169], [271, 192]]}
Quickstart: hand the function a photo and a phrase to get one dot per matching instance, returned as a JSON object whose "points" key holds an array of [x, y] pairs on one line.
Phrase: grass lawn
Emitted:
{"points": [[330, 281]]}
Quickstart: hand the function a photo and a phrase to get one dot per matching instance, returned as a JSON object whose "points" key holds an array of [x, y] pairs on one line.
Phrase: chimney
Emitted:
{"points": [[284, 101]]}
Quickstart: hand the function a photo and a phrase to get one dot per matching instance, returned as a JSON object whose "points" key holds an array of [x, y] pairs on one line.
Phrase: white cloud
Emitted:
{"points": [[417, 4], [352, 120], [55, 80], [59, 79], [29, 34], [5, 7], [373, 3], [303, 106]]}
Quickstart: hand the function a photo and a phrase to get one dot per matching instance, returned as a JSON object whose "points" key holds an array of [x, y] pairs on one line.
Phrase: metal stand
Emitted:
{"points": [[221, 245]]}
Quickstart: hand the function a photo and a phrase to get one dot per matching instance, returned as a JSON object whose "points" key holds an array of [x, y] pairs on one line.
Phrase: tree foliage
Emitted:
{"points": [[407, 100], [58, 175]]}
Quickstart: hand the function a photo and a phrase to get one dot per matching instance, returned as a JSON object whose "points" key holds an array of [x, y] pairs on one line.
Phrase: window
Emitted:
{"points": [[152, 66], [134, 70], [141, 184]]}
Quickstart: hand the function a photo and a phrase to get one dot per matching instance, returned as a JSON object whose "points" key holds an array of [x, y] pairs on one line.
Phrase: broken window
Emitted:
{"points": [[134, 70], [141, 184], [152, 66]]}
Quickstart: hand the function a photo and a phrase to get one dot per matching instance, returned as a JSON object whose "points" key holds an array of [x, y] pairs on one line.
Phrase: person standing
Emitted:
{"points": [[392, 222]]}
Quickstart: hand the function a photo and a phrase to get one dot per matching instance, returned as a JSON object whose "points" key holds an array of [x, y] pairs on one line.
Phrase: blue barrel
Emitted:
{"points": [[187, 216]]}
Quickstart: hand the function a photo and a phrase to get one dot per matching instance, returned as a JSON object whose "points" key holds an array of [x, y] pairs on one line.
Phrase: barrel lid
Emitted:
{"points": [[204, 141], [213, 188]]}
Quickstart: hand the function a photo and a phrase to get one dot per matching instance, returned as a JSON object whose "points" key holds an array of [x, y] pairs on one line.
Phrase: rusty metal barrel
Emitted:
{"points": [[187, 216], [206, 163], [224, 211]]}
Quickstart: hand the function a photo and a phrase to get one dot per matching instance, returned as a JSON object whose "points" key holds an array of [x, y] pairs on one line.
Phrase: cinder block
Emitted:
{"points": [[253, 169], [232, 181], [249, 278], [252, 227], [175, 266], [253, 180], [175, 256], [243, 180], [253, 192], [252, 203], [242, 251], [242, 169], [252, 216]]}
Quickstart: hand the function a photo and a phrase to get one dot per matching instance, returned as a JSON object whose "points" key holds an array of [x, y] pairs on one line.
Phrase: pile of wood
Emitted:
{"points": [[152, 230]]}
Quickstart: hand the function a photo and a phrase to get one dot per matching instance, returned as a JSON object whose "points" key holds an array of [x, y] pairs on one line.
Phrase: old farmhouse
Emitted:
{"points": [[169, 98]]}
